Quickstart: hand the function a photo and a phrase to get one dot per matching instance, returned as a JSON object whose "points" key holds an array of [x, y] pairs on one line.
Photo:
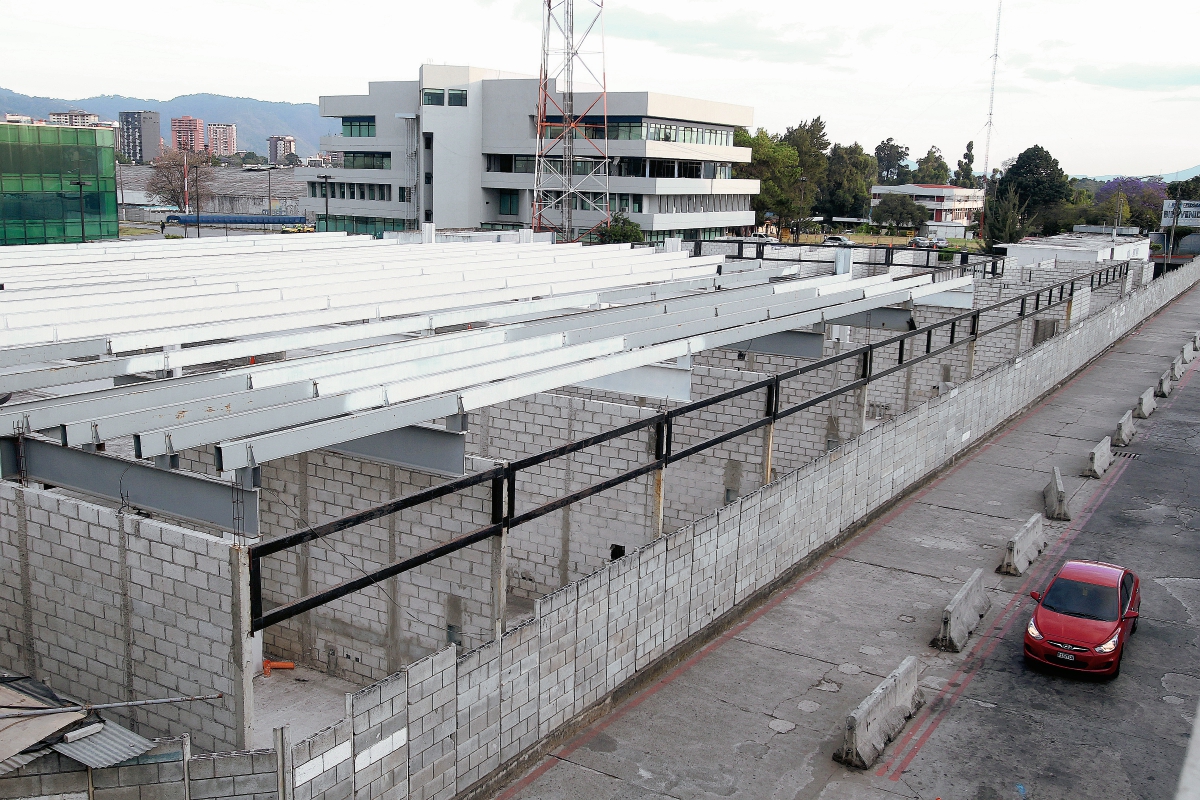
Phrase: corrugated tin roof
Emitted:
{"points": [[21, 759], [21, 733], [109, 746]]}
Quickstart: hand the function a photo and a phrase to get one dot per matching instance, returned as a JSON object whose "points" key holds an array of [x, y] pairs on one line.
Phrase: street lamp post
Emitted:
{"points": [[82, 225], [326, 178]]}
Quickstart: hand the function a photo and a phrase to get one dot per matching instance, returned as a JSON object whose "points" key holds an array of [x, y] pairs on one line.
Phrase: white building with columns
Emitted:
{"points": [[456, 147]]}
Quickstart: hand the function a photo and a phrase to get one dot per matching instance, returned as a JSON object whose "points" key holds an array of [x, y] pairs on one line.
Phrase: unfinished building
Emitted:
{"points": [[474, 486]]}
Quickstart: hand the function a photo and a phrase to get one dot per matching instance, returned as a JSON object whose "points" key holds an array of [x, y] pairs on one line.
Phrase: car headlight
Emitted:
{"points": [[1032, 630], [1111, 644]]}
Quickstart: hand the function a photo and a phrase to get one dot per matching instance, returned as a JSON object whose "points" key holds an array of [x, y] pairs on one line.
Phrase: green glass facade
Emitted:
{"points": [[375, 226], [38, 204]]}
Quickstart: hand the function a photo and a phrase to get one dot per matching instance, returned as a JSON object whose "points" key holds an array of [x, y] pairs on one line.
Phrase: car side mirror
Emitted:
{"points": [[1036, 596], [1131, 615]]}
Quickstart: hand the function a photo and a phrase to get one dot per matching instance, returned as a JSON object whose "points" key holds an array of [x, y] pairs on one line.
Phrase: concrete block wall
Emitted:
{"points": [[113, 607], [247, 775], [568, 544], [168, 771], [374, 632]]}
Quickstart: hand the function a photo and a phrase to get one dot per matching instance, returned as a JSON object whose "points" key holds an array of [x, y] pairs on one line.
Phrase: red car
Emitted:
{"points": [[1084, 619]]}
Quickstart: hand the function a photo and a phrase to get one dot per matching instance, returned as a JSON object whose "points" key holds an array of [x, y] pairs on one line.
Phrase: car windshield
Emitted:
{"points": [[1078, 599]]}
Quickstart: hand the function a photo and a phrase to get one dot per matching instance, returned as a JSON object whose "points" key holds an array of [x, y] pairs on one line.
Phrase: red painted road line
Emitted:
{"points": [[582, 739], [979, 656]]}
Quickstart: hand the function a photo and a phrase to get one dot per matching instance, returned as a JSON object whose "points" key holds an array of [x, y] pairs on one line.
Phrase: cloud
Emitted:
{"points": [[726, 38], [1133, 77]]}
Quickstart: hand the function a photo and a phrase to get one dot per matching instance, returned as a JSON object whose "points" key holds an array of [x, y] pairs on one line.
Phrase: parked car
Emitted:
{"points": [[1084, 618], [843, 240], [760, 237], [940, 242], [920, 241]]}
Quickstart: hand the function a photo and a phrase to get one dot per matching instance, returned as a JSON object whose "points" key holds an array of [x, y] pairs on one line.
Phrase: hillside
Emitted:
{"points": [[255, 119]]}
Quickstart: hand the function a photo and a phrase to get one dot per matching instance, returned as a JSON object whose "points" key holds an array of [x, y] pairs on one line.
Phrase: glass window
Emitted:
{"points": [[635, 204], [371, 191], [1079, 599], [456, 97], [367, 160], [341, 191], [510, 202], [689, 169], [358, 126], [433, 97], [524, 164], [499, 162]]}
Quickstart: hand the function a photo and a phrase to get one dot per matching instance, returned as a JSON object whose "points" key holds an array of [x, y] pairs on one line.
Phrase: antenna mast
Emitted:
{"points": [[570, 189], [987, 148]]}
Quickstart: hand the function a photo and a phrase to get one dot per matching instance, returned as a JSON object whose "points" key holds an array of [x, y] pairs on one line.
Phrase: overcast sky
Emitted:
{"points": [[1108, 87]]}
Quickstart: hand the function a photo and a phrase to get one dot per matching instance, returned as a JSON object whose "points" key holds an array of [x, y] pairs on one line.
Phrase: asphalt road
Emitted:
{"points": [[759, 712]]}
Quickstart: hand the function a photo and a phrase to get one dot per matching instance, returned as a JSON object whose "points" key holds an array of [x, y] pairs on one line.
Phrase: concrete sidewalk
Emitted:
{"points": [[759, 712]]}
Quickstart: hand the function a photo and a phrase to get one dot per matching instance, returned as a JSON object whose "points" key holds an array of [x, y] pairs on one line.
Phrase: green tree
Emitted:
{"points": [[292, 160], [932, 168], [620, 229], [775, 165], [1006, 219], [890, 157], [812, 158], [1184, 190], [899, 210], [1037, 180], [847, 188], [964, 176]]}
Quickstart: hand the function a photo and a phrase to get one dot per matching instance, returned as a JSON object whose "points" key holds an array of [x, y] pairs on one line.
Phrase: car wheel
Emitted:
{"points": [[1116, 672]]}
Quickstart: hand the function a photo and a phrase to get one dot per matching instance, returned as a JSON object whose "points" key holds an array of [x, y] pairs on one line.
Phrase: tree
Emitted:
{"points": [[1142, 198], [776, 166], [890, 157], [899, 210], [932, 168], [964, 176], [1185, 190], [1005, 220], [812, 158], [292, 160], [166, 183], [1037, 180], [620, 229], [847, 189], [250, 157]]}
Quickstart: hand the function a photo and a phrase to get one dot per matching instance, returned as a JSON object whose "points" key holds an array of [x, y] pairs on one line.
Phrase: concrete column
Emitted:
{"points": [[393, 649], [186, 752], [28, 650], [308, 639], [283, 763], [241, 650], [499, 583]]}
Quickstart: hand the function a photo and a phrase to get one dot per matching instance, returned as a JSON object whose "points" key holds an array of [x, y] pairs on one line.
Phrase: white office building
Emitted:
{"points": [[457, 148], [952, 209]]}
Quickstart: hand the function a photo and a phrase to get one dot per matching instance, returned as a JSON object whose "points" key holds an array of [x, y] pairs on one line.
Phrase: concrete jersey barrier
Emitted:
{"points": [[1177, 369], [1125, 431], [1145, 404], [1055, 495], [1099, 459], [963, 613], [1188, 353], [1164, 385], [881, 716], [1026, 546]]}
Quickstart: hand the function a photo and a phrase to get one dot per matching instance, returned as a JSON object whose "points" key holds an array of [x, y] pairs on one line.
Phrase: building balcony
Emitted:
{"points": [[644, 186]]}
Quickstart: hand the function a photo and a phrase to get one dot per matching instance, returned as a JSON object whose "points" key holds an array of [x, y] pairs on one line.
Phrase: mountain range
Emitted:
{"points": [[255, 119]]}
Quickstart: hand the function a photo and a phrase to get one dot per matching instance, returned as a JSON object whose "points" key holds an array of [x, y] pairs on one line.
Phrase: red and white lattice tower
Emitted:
{"points": [[570, 190]]}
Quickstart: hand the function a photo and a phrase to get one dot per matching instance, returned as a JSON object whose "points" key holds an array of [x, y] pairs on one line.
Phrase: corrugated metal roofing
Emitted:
{"points": [[107, 747], [21, 759]]}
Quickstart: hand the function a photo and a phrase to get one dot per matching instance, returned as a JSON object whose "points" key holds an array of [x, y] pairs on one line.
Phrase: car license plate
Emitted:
{"points": [[1066, 656]]}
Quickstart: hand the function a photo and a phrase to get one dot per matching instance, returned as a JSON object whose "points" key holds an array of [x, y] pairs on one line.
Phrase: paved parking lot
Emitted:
{"points": [[759, 712]]}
